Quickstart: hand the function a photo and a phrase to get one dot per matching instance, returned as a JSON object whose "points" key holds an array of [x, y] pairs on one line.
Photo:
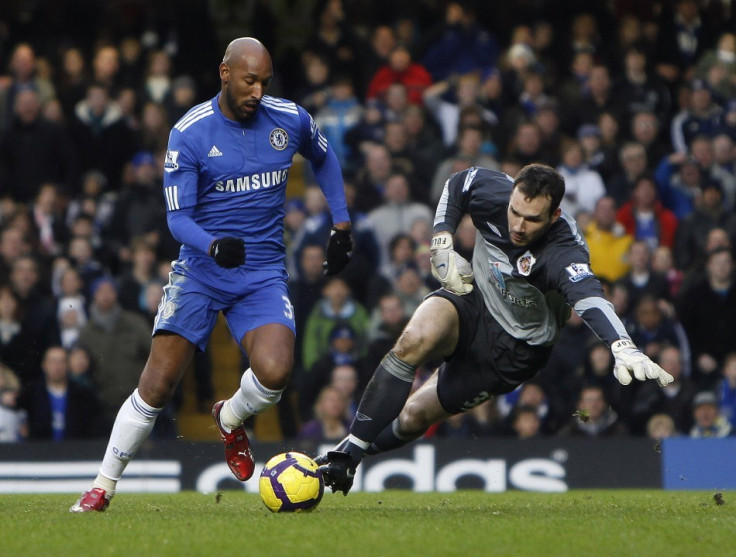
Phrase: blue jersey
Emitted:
{"points": [[231, 176]]}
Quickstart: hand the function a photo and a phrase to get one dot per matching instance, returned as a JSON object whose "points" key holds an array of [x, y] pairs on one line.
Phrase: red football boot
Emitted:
{"points": [[93, 500], [238, 455]]}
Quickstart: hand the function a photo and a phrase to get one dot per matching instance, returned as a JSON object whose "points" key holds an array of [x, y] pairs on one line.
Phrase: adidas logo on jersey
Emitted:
{"points": [[214, 152]]}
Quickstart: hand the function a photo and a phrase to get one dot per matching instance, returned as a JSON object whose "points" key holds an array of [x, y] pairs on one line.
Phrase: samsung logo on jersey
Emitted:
{"points": [[253, 182]]}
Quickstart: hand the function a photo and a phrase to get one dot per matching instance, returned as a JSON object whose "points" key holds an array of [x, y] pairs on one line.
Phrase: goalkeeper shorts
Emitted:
{"points": [[487, 360]]}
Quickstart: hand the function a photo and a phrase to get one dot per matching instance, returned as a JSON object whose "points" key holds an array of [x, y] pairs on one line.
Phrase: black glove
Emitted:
{"points": [[339, 251], [228, 252]]}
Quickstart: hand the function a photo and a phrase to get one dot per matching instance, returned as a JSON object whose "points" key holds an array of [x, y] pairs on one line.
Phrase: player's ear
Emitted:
{"points": [[555, 215], [224, 72]]}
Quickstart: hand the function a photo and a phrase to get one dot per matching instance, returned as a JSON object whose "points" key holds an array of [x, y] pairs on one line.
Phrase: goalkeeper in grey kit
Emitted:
{"points": [[493, 324]]}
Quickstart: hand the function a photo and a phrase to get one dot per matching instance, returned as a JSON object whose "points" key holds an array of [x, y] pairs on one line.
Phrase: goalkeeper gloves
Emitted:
{"points": [[452, 270], [339, 251], [629, 360], [228, 252]]}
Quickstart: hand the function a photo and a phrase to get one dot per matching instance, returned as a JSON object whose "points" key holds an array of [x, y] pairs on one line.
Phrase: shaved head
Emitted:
{"points": [[245, 75], [242, 48]]}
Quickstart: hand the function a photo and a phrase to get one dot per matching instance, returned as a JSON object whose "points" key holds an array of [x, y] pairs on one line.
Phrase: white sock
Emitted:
{"points": [[133, 425], [251, 398]]}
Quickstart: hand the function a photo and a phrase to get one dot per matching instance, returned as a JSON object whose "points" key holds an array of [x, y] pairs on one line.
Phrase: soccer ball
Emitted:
{"points": [[290, 482]]}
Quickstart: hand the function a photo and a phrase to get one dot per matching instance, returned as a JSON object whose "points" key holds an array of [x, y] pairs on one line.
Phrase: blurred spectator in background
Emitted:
{"points": [[608, 241], [37, 310], [468, 153], [71, 307], [459, 44], [397, 213], [663, 262], [703, 115], [583, 187], [405, 160], [100, 136], [706, 311], [684, 35], [138, 210], [525, 422], [387, 322], [679, 180], [639, 89], [596, 99], [48, 220], [674, 400], [13, 420], [400, 69], [118, 341], [651, 328], [329, 423], [645, 218], [16, 344], [346, 379], [633, 159], [603, 161], [23, 76], [182, 96], [727, 388], [60, 409], [34, 151], [446, 99], [336, 306], [717, 67], [593, 418], [334, 39], [344, 348], [693, 230], [707, 417], [106, 70], [646, 130], [370, 179], [139, 274], [641, 279], [661, 426], [157, 80], [305, 288], [340, 112], [153, 129]]}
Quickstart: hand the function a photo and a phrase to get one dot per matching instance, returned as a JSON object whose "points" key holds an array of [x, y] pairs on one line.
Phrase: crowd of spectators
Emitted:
{"points": [[634, 103]]}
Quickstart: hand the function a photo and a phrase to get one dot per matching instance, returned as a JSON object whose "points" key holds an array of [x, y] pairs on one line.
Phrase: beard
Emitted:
{"points": [[239, 110]]}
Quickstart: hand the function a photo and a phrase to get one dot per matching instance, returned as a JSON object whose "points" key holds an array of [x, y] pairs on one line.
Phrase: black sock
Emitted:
{"points": [[382, 401], [391, 438]]}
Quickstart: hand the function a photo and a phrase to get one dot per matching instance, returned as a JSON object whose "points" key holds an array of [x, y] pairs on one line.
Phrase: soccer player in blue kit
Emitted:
{"points": [[494, 324], [225, 187]]}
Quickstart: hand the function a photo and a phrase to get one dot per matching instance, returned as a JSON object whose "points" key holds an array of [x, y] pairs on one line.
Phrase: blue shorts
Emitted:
{"points": [[247, 299]]}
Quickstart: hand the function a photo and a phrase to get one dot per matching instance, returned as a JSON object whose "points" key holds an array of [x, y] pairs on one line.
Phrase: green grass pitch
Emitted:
{"points": [[577, 523]]}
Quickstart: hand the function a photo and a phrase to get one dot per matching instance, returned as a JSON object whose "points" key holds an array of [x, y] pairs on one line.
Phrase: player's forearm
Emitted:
{"points": [[600, 316], [329, 178], [188, 232]]}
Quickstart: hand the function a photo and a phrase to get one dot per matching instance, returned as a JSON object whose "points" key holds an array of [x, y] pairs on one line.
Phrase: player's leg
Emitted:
{"points": [[421, 410], [265, 324], [169, 358], [432, 333], [270, 350]]}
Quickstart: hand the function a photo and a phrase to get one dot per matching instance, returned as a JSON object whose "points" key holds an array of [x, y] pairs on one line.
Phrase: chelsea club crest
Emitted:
{"points": [[524, 263], [279, 139]]}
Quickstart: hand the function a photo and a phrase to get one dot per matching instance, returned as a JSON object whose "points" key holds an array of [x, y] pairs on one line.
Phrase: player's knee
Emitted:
{"points": [[413, 419], [272, 372], [156, 389], [413, 345]]}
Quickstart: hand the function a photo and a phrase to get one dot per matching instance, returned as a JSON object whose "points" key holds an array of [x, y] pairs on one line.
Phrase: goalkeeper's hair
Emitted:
{"points": [[539, 179]]}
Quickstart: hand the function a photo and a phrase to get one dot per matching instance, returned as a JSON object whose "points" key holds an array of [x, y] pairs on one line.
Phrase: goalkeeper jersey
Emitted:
{"points": [[526, 289]]}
